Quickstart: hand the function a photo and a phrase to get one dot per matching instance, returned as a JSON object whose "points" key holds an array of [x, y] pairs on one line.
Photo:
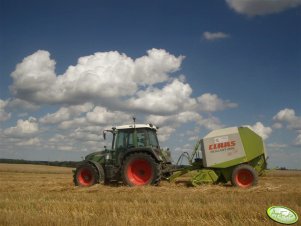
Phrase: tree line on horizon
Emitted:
{"points": [[49, 163]]}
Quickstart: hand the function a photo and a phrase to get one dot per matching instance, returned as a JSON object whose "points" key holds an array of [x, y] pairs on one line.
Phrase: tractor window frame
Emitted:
{"points": [[152, 138], [138, 138], [143, 140], [125, 139]]}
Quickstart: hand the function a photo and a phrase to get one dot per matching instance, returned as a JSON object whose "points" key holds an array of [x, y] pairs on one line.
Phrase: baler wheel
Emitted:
{"points": [[141, 169], [244, 176], [85, 175]]}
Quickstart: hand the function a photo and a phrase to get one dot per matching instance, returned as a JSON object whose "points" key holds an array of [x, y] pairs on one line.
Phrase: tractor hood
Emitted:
{"points": [[96, 156]]}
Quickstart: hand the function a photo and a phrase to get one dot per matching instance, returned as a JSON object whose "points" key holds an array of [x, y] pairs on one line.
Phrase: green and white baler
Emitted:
{"points": [[235, 154]]}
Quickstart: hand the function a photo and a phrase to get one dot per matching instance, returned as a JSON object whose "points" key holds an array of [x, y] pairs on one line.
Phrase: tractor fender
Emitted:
{"points": [[155, 154], [99, 167]]}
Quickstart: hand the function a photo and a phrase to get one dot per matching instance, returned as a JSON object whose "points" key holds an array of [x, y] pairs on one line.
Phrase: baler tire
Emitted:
{"points": [[140, 169], [87, 175], [244, 176]]}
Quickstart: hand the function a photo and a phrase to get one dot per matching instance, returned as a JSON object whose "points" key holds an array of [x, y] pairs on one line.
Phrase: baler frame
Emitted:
{"points": [[213, 175]]}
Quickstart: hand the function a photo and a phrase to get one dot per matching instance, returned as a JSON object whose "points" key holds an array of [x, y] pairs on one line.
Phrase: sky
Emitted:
{"points": [[70, 69]]}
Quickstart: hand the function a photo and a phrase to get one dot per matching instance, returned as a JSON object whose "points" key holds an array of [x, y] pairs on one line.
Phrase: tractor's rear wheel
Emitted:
{"points": [[86, 175], [141, 169], [244, 176]]}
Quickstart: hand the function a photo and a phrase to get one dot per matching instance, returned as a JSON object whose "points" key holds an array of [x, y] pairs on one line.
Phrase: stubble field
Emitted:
{"points": [[45, 195]]}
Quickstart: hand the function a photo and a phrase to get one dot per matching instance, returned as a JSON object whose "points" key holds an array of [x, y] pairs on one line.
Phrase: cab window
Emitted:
{"points": [[153, 141], [125, 139], [141, 138]]}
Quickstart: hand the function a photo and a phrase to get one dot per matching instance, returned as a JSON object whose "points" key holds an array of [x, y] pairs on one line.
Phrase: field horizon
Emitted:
{"points": [[45, 195]]}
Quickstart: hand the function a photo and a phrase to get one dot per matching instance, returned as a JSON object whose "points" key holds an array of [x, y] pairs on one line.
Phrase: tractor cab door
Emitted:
{"points": [[124, 141], [142, 140], [127, 139]]}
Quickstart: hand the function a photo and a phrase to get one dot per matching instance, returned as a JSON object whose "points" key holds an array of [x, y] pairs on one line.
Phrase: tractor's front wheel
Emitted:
{"points": [[86, 175], [141, 169], [244, 176]]}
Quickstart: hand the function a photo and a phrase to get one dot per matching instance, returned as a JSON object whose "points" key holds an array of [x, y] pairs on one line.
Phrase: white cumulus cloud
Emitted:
{"points": [[168, 124], [34, 76], [211, 102], [19, 104], [262, 130], [297, 141], [101, 115], [99, 76], [65, 113], [3, 114], [175, 120], [73, 123], [23, 129], [165, 132], [261, 7], [172, 98], [80, 135], [277, 125], [289, 117], [211, 123], [31, 142], [285, 115], [156, 66], [213, 36], [277, 146]]}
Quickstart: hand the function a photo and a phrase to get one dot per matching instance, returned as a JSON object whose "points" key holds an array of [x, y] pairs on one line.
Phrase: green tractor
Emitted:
{"points": [[235, 154], [134, 158]]}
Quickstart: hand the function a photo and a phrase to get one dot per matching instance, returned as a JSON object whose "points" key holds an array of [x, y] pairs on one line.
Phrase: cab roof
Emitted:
{"points": [[137, 126]]}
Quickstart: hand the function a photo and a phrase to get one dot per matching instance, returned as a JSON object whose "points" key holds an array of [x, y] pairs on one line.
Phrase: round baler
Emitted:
{"points": [[235, 154]]}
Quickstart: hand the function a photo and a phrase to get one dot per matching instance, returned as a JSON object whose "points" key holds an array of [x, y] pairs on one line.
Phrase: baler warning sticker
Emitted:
{"points": [[221, 139]]}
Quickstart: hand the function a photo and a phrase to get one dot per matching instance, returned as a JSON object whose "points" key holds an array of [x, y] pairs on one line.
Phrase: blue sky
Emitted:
{"points": [[188, 67]]}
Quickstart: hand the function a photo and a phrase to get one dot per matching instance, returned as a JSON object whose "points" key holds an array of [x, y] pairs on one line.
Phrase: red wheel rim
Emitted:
{"points": [[244, 178], [139, 172], [85, 177]]}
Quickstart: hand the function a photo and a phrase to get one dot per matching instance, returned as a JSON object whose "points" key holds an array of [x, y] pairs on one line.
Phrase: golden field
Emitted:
{"points": [[45, 195]]}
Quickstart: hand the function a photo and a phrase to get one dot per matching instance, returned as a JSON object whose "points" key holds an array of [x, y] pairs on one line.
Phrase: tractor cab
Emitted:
{"points": [[128, 136], [135, 158], [133, 138]]}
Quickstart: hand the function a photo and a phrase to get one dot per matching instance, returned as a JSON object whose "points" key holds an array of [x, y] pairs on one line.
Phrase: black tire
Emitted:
{"points": [[140, 169], [244, 176], [87, 175]]}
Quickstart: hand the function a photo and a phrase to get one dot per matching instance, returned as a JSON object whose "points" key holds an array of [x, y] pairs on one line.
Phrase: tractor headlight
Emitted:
{"points": [[108, 156]]}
